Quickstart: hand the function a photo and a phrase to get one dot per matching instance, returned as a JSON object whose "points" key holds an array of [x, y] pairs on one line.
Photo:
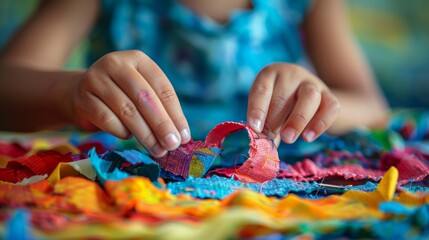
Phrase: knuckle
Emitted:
{"points": [[279, 102], [269, 70], [299, 118], [258, 111], [111, 60], [323, 124], [161, 126], [109, 122], [128, 110], [311, 91], [89, 74], [293, 70], [297, 68], [90, 80], [179, 120], [332, 104], [104, 117], [137, 53], [335, 106], [262, 89], [167, 96]]}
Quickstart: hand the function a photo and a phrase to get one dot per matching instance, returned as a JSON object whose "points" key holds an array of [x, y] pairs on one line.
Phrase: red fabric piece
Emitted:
{"points": [[13, 150], [262, 164], [40, 163], [307, 170], [87, 146], [410, 168], [178, 161]]}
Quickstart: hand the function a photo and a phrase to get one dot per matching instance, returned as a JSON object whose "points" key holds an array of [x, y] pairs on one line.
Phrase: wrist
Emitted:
{"points": [[63, 96]]}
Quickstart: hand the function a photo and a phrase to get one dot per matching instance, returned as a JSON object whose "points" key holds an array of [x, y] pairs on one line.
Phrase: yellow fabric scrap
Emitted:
{"points": [[81, 168], [42, 145], [384, 192]]}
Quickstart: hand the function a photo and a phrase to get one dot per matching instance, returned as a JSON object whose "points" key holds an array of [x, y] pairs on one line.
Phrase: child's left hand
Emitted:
{"points": [[287, 100]]}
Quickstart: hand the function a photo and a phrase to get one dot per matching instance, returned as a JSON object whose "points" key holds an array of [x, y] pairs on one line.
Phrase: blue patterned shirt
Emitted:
{"points": [[211, 66]]}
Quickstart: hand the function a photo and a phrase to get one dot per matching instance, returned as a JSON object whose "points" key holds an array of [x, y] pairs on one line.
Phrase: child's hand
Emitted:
{"points": [[125, 93], [290, 101]]}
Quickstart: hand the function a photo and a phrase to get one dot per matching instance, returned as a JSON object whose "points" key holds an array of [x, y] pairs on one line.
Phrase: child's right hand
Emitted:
{"points": [[125, 93]]}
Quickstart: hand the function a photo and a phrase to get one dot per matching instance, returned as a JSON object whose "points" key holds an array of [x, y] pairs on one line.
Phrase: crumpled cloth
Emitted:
{"points": [[411, 168], [136, 207], [24, 167], [195, 158], [79, 208]]}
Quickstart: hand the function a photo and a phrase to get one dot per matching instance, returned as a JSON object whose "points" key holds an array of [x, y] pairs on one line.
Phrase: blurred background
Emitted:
{"points": [[394, 35]]}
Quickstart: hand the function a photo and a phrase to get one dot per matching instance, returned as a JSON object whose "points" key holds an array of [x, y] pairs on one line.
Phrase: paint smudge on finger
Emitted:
{"points": [[146, 99]]}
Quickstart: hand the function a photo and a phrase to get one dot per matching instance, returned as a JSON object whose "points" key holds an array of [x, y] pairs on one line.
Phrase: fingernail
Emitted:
{"points": [[158, 151], [185, 134], [129, 137], [309, 136], [171, 141], [256, 124], [289, 135]]}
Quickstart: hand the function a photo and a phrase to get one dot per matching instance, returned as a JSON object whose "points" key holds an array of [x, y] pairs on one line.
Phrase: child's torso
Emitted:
{"points": [[220, 10], [211, 55]]}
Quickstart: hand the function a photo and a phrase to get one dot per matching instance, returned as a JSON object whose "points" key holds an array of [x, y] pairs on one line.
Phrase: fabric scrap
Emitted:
{"points": [[384, 192], [44, 145], [104, 169], [80, 168], [411, 168], [18, 226], [118, 165], [12, 149], [218, 187], [26, 166], [135, 203], [191, 159], [195, 158]]}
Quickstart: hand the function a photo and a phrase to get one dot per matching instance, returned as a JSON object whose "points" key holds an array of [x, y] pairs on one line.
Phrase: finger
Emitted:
{"points": [[165, 92], [281, 104], [128, 114], [260, 97], [135, 86], [324, 117], [307, 103], [92, 109], [153, 111]]}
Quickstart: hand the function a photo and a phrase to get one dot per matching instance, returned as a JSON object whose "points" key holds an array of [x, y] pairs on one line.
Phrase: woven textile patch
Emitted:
{"points": [[195, 158]]}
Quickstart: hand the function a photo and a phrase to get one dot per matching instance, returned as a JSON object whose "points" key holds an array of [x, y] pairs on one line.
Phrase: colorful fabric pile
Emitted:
{"points": [[365, 184]]}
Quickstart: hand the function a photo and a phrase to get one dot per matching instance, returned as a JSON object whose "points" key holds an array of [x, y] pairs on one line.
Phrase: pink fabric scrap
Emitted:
{"points": [[263, 162], [261, 166], [410, 169]]}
